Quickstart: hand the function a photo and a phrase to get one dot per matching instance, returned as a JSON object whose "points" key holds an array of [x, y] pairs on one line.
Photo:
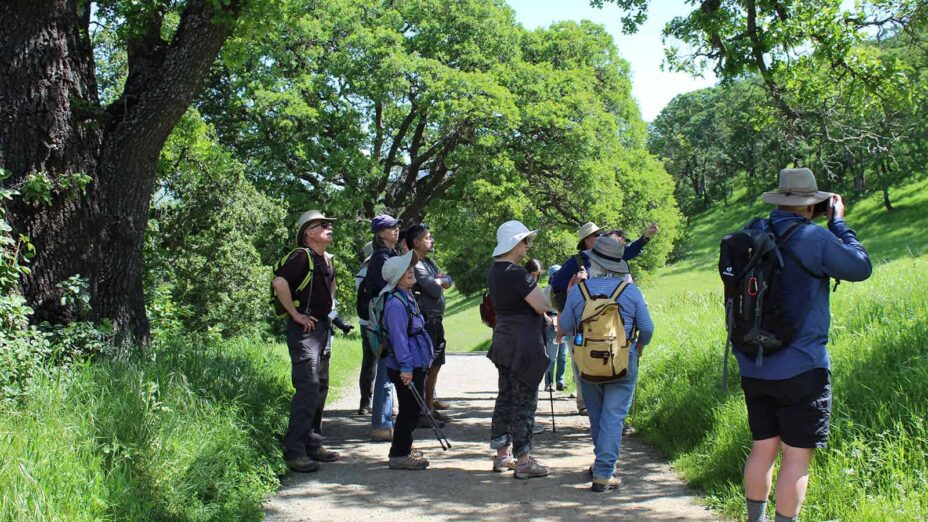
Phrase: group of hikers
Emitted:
{"points": [[592, 309]]}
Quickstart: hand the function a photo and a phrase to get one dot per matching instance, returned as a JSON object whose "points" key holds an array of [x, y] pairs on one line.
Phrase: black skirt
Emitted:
{"points": [[519, 347]]}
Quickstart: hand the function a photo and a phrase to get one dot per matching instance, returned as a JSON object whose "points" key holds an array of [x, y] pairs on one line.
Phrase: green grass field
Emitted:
{"points": [[191, 434]]}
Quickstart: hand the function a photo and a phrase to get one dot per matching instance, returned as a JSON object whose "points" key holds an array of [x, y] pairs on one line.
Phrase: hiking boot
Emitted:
{"points": [[425, 423], [583, 411], [303, 464], [408, 462], [531, 469], [606, 484], [364, 411], [560, 386], [323, 455], [506, 463], [628, 429], [440, 405], [439, 416], [382, 434], [589, 472]]}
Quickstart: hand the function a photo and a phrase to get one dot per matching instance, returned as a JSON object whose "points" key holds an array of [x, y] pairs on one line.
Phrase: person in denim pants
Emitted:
{"points": [[556, 347], [386, 231], [608, 402]]}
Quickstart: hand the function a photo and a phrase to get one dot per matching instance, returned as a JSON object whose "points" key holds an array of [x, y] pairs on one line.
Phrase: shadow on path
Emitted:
{"points": [[460, 483]]}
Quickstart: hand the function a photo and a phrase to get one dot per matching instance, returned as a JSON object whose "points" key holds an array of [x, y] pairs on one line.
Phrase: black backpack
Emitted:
{"points": [[750, 263]]}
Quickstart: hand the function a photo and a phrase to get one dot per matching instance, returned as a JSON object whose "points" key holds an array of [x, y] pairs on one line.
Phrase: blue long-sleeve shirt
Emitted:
{"points": [[632, 307], [411, 347], [834, 252], [561, 278]]}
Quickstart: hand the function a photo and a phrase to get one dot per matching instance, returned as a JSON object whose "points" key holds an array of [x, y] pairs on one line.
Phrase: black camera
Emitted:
{"points": [[821, 208], [340, 323]]}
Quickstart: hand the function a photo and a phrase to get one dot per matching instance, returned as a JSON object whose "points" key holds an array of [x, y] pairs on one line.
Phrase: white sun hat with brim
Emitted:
{"points": [[584, 231], [796, 187], [607, 253], [394, 268], [308, 217], [509, 234]]}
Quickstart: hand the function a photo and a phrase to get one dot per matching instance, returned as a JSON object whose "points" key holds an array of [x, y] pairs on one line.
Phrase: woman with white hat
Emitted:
{"points": [[410, 355], [517, 350]]}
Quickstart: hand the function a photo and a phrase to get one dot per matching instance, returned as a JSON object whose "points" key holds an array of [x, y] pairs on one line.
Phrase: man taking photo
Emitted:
{"points": [[788, 392]]}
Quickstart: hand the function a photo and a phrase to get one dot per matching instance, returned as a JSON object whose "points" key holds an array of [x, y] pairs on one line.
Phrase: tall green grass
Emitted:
{"points": [[876, 463], [190, 434]]}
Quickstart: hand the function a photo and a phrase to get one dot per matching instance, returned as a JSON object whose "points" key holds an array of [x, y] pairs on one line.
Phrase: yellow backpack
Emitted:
{"points": [[602, 350]]}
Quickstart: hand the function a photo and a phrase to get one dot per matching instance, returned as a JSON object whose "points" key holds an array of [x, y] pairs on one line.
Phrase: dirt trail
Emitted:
{"points": [[460, 484]]}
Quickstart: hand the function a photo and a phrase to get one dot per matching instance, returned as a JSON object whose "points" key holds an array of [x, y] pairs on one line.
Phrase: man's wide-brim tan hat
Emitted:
{"points": [[394, 268], [607, 253], [797, 187], [509, 234], [584, 232], [308, 217]]}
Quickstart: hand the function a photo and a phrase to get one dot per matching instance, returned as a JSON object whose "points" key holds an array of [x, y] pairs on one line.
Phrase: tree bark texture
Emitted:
{"points": [[51, 123]]}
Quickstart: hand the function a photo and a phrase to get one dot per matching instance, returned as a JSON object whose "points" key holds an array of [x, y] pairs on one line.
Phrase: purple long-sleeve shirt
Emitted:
{"points": [[411, 347]]}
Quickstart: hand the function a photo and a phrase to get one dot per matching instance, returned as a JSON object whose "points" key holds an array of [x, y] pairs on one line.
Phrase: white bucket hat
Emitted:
{"points": [[509, 234], [394, 268], [584, 231], [796, 187]]}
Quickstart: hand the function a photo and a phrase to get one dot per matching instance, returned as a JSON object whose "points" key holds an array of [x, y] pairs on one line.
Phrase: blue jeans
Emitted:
{"points": [[557, 354], [382, 407], [608, 404]]}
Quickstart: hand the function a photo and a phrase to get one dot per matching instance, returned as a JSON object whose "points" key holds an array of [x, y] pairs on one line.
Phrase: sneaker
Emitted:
{"points": [[538, 428], [416, 453], [303, 464], [323, 455], [548, 388], [628, 429], [606, 484], [560, 386], [408, 462], [531, 469], [382, 434], [506, 463], [364, 411], [440, 405], [583, 411]]}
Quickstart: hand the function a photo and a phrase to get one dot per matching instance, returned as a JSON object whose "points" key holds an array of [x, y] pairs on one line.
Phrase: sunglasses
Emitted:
{"points": [[325, 224], [528, 242]]}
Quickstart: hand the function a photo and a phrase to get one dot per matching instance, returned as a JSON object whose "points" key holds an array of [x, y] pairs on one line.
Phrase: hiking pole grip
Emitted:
{"points": [[442, 440]]}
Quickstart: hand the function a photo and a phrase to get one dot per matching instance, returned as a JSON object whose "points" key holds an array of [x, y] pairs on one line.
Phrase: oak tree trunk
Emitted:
{"points": [[52, 125]]}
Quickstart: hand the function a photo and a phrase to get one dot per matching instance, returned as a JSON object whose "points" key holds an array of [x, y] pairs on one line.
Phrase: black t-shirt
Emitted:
{"points": [[318, 294], [509, 284]]}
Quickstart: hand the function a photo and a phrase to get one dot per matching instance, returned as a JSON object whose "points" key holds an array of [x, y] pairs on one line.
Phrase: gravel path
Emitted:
{"points": [[460, 483]]}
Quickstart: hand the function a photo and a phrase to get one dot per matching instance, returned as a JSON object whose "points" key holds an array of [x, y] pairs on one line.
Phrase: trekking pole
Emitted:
{"points": [[445, 443], [551, 398]]}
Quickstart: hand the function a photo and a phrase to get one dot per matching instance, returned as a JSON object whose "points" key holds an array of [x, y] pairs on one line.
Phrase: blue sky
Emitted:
{"points": [[652, 87]]}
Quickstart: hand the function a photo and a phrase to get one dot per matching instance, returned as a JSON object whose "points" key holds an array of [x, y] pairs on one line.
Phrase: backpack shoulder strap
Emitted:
{"points": [[618, 290], [781, 243], [584, 291], [309, 274]]}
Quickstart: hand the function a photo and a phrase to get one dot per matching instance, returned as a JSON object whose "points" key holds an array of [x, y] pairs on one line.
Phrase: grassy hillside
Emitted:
{"points": [[876, 466]]}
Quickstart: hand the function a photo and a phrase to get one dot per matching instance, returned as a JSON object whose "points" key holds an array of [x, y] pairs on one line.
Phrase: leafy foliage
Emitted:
{"points": [[211, 236]]}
